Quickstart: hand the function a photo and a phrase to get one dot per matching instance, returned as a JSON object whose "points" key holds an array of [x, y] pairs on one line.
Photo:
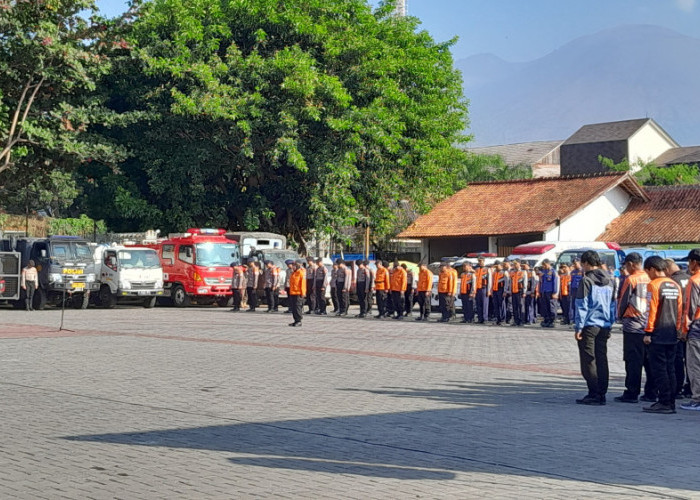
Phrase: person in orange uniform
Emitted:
{"points": [[518, 289], [467, 286], [446, 291], [382, 287], [691, 329], [424, 289], [498, 291], [482, 292], [399, 281], [564, 297], [455, 291], [297, 292], [661, 334]]}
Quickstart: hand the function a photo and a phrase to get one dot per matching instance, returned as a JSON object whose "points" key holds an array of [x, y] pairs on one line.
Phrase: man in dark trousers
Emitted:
{"points": [[467, 287], [271, 276], [549, 293], [310, 277], [423, 291], [408, 294], [382, 287], [363, 284], [343, 283], [518, 288], [297, 292], [252, 277], [483, 290], [632, 311], [238, 285], [498, 291], [593, 320], [321, 280], [661, 333], [681, 277], [691, 329]]}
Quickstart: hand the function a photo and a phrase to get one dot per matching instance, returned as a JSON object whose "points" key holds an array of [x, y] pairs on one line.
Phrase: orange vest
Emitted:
{"points": [[297, 283], [482, 278], [564, 283], [381, 280], [466, 284], [515, 278], [496, 277], [398, 280], [446, 281], [425, 280]]}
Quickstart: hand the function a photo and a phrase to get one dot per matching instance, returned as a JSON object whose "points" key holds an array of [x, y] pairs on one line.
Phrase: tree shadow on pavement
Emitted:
{"points": [[526, 428]]}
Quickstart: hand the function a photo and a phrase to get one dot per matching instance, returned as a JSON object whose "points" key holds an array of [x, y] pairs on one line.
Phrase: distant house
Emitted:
{"points": [[669, 217], [677, 156], [634, 140], [497, 216], [542, 157]]}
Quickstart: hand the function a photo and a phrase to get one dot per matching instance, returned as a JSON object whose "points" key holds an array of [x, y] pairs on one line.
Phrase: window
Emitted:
{"points": [[169, 254], [186, 254]]}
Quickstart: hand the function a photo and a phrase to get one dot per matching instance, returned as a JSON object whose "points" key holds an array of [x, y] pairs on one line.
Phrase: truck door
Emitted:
{"points": [[41, 256], [109, 273]]}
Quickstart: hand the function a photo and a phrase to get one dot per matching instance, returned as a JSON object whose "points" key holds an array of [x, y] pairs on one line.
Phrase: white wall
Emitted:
{"points": [[590, 222], [646, 145]]}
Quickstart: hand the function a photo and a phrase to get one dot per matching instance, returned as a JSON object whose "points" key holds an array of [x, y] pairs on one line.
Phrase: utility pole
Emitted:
{"points": [[401, 9]]}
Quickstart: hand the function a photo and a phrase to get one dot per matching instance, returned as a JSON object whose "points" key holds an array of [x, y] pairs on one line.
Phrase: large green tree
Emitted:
{"points": [[288, 115], [52, 52]]}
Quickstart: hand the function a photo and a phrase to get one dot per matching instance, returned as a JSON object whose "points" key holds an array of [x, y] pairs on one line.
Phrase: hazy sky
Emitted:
{"points": [[521, 30]]}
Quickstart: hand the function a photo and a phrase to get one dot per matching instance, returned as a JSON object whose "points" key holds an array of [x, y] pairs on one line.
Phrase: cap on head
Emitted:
{"points": [[300, 262], [694, 254], [31, 263], [319, 261], [546, 261], [289, 262]]}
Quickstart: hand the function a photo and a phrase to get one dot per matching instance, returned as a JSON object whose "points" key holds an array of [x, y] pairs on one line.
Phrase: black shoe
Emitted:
{"points": [[624, 399], [287, 312], [464, 321], [419, 319], [659, 408], [269, 311], [591, 401], [250, 310], [361, 315], [647, 399], [292, 324]]}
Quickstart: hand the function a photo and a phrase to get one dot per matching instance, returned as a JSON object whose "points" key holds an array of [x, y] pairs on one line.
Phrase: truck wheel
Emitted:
{"points": [[106, 297], [80, 300], [39, 300], [179, 296], [149, 302], [223, 301]]}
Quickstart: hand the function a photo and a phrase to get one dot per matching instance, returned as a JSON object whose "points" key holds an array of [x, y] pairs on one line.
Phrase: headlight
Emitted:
{"points": [[55, 277], [91, 278], [124, 285]]}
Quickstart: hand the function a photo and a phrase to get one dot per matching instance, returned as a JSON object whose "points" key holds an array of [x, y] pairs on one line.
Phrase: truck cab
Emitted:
{"points": [[128, 274], [65, 266], [197, 266]]}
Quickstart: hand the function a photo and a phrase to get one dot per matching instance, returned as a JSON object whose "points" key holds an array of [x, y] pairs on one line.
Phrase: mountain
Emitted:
{"points": [[617, 74]]}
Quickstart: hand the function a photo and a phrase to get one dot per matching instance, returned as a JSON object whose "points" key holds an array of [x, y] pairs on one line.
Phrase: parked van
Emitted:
{"points": [[537, 251], [611, 257], [128, 274], [257, 241], [663, 253]]}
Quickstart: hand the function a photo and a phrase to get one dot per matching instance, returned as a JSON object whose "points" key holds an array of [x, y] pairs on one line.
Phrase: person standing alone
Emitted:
{"points": [[29, 282]]}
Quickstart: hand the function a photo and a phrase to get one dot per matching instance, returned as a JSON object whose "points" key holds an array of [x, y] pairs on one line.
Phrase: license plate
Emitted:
{"points": [[144, 292], [78, 286], [72, 271]]}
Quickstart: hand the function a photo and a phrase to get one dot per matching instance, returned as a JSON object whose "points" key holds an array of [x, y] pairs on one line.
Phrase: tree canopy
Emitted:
{"points": [[291, 116], [650, 174]]}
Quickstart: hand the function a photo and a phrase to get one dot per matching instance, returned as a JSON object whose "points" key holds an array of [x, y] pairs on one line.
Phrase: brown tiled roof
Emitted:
{"points": [[515, 207], [671, 216]]}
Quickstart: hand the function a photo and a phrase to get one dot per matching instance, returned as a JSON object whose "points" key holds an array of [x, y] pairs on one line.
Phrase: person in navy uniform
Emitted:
{"points": [[576, 277], [549, 293]]}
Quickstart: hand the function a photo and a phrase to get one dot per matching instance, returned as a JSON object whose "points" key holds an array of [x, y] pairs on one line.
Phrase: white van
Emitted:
{"points": [[534, 253], [129, 273]]}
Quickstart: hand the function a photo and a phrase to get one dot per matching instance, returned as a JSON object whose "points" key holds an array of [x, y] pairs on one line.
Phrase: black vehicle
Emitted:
{"points": [[65, 265]]}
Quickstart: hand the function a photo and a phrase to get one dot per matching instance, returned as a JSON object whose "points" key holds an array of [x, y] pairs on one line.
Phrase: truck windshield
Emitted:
{"points": [[217, 254], [64, 251], [139, 259]]}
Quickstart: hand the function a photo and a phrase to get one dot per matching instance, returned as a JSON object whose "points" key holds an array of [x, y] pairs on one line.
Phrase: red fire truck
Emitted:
{"points": [[197, 266]]}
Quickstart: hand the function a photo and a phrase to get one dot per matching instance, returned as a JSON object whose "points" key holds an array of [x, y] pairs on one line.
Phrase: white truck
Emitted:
{"points": [[128, 274]]}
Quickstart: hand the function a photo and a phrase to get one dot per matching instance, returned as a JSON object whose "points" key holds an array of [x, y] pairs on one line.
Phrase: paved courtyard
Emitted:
{"points": [[205, 403]]}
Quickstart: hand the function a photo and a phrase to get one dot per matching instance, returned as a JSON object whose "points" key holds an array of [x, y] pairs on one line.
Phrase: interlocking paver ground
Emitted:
{"points": [[204, 403]]}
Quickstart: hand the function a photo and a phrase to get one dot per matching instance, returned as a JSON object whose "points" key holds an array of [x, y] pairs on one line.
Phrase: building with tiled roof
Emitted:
{"points": [[541, 156], [685, 155], [497, 216], [634, 140], [671, 216]]}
